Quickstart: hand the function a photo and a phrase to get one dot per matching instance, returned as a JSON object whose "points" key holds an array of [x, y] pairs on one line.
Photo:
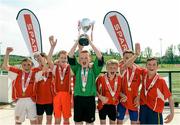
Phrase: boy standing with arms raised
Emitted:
{"points": [[44, 94], [85, 86], [61, 84]]}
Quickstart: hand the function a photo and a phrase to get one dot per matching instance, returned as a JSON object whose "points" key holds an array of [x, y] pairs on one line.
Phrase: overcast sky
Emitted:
{"points": [[149, 20]]}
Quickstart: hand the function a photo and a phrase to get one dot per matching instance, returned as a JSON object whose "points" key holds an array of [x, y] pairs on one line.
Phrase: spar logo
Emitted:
{"points": [[31, 33], [119, 33]]}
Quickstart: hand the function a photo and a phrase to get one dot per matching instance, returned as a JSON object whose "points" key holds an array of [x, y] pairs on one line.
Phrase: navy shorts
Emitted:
{"points": [[148, 116], [121, 110]]}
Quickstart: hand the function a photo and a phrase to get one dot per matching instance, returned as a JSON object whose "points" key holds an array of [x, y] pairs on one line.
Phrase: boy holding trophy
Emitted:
{"points": [[85, 86]]}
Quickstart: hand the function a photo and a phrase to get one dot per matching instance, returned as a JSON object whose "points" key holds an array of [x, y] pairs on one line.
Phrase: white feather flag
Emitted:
{"points": [[119, 31]]}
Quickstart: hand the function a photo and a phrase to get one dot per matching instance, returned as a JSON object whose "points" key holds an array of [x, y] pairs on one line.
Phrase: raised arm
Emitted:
{"points": [[5, 64], [53, 44], [80, 48], [98, 53], [73, 49], [41, 62], [133, 58]]}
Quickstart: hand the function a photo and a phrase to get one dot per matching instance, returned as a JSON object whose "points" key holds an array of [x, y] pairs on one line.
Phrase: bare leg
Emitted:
{"points": [[138, 122], [48, 119], [103, 122], [120, 122], [78, 123], [66, 121], [39, 119], [33, 122], [57, 121], [111, 122], [18, 123], [90, 123], [134, 122]]}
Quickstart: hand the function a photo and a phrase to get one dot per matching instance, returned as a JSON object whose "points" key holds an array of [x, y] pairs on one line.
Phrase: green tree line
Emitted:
{"points": [[169, 58]]}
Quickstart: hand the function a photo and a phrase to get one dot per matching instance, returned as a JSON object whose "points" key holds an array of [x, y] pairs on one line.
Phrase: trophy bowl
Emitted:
{"points": [[83, 40]]}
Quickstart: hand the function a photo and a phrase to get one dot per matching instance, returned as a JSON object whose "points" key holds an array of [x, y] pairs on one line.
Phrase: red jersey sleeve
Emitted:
{"points": [[36, 69], [165, 90], [15, 69], [98, 81]]}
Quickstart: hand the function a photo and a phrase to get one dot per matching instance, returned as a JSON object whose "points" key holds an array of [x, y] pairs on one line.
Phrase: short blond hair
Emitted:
{"points": [[84, 51], [112, 61]]}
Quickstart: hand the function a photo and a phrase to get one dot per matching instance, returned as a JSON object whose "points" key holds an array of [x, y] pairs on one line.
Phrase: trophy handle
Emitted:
{"points": [[92, 29], [79, 28]]}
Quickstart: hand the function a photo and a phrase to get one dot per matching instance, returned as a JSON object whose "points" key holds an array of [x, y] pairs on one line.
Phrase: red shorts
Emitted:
{"points": [[62, 105]]}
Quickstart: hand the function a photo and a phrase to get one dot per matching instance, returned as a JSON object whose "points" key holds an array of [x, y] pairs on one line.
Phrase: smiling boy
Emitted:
{"points": [[85, 86], [153, 94], [23, 88], [108, 89]]}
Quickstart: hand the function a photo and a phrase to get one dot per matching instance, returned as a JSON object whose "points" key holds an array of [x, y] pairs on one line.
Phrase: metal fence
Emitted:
{"points": [[174, 84]]}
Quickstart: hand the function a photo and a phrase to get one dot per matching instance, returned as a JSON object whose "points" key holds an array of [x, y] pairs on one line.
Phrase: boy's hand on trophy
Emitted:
{"points": [[52, 41], [79, 25], [137, 49], [92, 29], [80, 47], [92, 26], [90, 39], [9, 49]]}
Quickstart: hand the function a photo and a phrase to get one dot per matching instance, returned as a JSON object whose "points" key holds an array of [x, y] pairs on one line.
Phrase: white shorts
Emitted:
{"points": [[25, 108]]}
